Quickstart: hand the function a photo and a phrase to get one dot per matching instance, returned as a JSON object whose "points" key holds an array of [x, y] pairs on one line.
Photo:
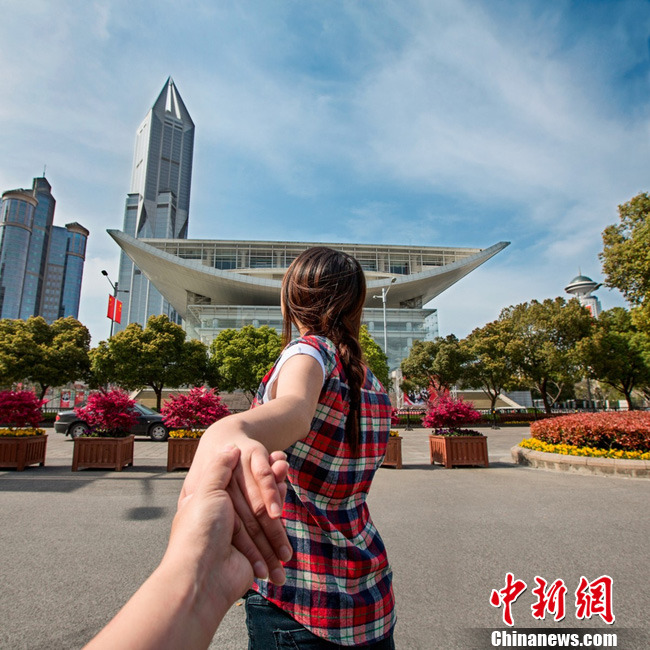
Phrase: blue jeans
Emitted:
{"points": [[269, 628]]}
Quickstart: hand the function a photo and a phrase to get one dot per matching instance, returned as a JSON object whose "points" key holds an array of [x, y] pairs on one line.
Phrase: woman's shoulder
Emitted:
{"points": [[315, 341], [322, 344]]}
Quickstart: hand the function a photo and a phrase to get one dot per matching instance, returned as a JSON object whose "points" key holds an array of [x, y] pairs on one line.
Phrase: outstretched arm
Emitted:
{"points": [[200, 575], [278, 424]]}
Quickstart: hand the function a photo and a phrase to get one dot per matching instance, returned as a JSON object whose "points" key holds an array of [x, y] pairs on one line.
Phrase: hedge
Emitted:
{"points": [[628, 430]]}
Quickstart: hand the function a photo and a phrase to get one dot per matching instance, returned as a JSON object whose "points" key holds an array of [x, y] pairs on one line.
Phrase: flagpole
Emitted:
{"points": [[115, 290]]}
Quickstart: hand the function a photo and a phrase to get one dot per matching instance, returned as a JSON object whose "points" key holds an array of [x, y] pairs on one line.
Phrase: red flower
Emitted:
{"points": [[197, 409], [20, 408], [626, 430], [109, 413], [447, 412]]}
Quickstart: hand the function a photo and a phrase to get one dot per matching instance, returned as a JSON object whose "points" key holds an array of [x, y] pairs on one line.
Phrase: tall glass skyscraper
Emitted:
{"points": [[158, 202], [41, 265]]}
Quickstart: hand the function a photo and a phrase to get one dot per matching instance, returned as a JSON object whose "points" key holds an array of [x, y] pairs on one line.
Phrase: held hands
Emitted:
{"points": [[209, 559], [257, 489]]}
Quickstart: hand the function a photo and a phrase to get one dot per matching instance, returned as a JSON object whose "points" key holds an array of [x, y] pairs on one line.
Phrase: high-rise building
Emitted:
{"points": [[157, 205], [41, 265]]}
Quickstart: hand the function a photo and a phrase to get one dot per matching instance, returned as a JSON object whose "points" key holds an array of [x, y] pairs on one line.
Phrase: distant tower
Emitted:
{"points": [[582, 287], [158, 202]]}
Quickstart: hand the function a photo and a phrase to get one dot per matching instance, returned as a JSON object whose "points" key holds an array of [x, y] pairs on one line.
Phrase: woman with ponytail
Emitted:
{"points": [[323, 407]]}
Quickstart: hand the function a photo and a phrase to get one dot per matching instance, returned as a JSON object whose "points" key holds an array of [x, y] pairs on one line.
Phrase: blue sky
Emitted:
{"points": [[439, 122]]}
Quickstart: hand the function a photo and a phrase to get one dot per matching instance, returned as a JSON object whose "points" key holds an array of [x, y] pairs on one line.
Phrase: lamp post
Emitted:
{"points": [[115, 292], [384, 293]]}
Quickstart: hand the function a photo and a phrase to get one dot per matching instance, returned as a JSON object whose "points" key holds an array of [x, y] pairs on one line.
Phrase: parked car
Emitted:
{"points": [[149, 424]]}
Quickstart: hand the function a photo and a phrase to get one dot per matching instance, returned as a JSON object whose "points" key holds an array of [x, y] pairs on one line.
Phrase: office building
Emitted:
{"points": [[217, 284], [158, 202], [41, 265]]}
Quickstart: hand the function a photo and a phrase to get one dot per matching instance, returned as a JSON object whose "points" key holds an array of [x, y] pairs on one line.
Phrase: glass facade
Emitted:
{"points": [[17, 219], [403, 326], [158, 202], [36, 276]]}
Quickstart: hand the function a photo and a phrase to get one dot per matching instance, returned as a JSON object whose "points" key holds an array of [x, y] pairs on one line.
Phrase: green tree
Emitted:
{"points": [[542, 349], [240, 358], [617, 353], [157, 356], [375, 357], [43, 354], [489, 366], [626, 251], [15, 351], [437, 363]]}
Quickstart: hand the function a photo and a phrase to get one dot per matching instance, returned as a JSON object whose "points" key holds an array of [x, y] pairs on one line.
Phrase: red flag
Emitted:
{"points": [[111, 308], [118, 311]]}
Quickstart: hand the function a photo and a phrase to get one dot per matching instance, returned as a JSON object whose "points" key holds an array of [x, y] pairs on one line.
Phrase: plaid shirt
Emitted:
{"points": [[338, 580]]}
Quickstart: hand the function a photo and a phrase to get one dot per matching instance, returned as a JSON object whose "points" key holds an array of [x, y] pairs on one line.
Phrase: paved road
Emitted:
{"points": [[76, 545]]}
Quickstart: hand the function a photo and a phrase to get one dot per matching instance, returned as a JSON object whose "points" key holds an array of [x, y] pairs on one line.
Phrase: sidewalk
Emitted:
{"points": [[77, 544]]}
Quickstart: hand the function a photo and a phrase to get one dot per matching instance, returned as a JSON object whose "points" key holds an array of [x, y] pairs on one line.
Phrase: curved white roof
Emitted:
{"points": [[190, 281]]}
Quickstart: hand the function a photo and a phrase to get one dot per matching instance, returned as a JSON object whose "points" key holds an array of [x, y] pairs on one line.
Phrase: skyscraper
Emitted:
{"points": [[41, 265], [157, 205]]}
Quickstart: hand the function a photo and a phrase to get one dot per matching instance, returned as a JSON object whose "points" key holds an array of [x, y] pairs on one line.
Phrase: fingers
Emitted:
{"points": [[266, 494], [218, 472], [279, 467], [212, 474], [254, 535]]}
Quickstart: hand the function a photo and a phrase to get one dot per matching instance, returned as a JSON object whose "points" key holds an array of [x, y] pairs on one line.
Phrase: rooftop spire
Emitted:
{"points": [[170, 101]]}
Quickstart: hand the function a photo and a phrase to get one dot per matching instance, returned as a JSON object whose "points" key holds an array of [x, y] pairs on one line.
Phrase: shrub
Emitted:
{"points": [[446, 412], [109, 414], [572, 450], [628, 430], [195, 410], [20, 409]]}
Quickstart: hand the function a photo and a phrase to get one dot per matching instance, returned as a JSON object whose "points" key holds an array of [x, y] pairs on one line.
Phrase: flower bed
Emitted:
{"points": [[21, 433], [186, 433], [592, 452], [627, 431]]}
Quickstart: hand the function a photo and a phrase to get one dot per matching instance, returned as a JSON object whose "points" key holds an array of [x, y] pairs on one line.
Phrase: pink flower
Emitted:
{"points": [[197, 409]]}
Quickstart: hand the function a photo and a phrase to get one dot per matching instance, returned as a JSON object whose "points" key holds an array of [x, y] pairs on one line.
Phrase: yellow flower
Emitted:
{"points": [[571, 450]]}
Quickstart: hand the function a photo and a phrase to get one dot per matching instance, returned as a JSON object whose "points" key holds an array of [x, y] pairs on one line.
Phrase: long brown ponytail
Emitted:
{"points": [[324, 291]]}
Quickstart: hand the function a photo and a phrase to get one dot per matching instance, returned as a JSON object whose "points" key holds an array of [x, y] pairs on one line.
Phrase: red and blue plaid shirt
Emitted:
{"points": [[339, 582]]}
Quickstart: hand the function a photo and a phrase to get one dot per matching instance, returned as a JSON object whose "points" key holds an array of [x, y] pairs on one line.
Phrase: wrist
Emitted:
{"points": [[193, 600]]}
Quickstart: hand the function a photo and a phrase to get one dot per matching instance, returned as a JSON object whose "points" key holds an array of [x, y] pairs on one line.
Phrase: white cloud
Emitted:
{"points": [[397, 122]]}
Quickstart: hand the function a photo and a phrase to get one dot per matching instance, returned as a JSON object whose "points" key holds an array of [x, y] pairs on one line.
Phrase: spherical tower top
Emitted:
{"points": [[581, 286]]}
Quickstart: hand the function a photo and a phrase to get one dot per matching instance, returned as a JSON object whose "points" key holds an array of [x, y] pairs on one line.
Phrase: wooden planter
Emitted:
{"points": [[452, 451], [103, 453], [393, 453], [21, 451], [180, 452]]}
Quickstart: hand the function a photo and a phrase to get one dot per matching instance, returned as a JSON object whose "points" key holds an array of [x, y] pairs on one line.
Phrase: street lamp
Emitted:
{"points": [[384, 293], [115, 292]]}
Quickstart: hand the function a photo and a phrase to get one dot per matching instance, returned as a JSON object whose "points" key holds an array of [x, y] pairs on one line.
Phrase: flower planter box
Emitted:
{"points": [[393, 453], [452, 451], [103, 453], [180, 452], [21, 451]]}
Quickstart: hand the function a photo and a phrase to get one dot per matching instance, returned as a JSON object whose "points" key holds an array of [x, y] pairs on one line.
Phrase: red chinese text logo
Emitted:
{"points": [[592, 598]]}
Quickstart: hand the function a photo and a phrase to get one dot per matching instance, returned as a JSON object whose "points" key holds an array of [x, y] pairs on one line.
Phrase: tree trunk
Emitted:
{"points": [[43, 391], [158, 390], [544, 393]]}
